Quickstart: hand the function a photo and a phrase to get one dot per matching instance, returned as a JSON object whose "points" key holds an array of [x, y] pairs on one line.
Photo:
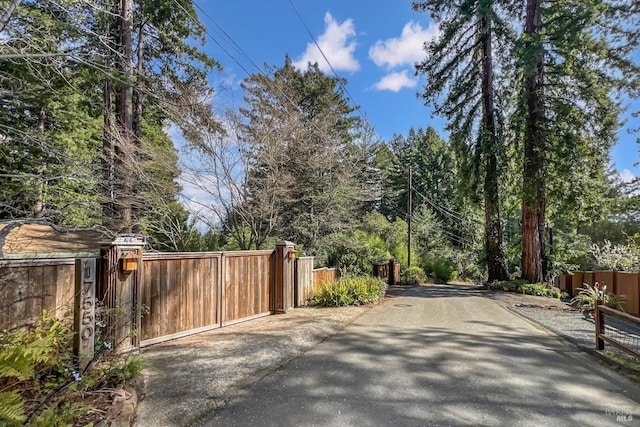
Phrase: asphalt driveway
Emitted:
{"points": [[433, 355]]}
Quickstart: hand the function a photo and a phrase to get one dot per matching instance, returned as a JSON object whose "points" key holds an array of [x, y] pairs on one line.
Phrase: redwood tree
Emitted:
{"points": [[575, 60], [460, 64]]}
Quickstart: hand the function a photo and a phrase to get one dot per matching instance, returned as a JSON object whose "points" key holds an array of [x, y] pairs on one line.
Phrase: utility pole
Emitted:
{"points": [[409, 190]]}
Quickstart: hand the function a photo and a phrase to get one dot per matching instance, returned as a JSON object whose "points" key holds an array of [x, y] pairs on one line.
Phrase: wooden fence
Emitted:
{"points": [[307, 279], [27, 287], [618, 282], [304, 280], [324, 275], [388, 271], [180, 293], [186, 293]]}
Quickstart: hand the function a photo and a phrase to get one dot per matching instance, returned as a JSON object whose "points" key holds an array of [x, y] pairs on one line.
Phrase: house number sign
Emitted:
{"points": [[84, 313]]}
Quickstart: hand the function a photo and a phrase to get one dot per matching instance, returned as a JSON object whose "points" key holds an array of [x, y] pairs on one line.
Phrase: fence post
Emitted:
{"points": [[120, 290], [392, 272], [84, 312], [284, 259], [599, 321]]}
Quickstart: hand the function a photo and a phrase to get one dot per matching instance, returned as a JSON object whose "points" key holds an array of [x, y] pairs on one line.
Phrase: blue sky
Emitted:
{"points": [[373, 44]]}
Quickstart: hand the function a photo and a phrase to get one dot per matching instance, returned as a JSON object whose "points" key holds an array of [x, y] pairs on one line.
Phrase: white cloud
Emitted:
{"points": [[336, 43], [395, 81], [627, 176], [403, 50]]}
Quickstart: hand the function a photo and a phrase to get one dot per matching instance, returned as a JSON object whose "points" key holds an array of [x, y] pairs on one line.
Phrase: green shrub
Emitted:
{"points": [[351, 254], [123, 371], [521, 286], [440, 268], [350, 291], [589, 295], [31, 362], [412, 276]]}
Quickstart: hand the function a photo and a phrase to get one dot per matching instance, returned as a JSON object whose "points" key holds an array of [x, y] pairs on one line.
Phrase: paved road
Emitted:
{"points": [[437, 356]]}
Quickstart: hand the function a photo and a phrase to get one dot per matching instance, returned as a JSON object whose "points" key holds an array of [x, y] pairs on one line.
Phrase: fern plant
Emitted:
{"points": [[350, 291], [12, 408], [30, 361]]}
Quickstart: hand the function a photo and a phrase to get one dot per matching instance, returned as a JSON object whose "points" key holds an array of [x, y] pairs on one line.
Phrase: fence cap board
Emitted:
{"points": [[28, 262], [179, 255], [248, 253]]}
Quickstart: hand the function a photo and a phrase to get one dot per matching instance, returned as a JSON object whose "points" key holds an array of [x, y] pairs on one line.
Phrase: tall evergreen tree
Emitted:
{"points": [[300, 127], [433, 170], [461, 64], [47, 158], [58, 59], [574, 62], [158, 70]]}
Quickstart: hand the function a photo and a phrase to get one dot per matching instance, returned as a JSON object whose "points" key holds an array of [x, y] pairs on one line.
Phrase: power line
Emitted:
{"points": [[448, 212], [269, 81], [355, 104], [228, 36]]}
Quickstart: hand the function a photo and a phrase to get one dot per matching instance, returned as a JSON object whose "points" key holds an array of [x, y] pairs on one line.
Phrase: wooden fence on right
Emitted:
{"points": [[619, 282]]}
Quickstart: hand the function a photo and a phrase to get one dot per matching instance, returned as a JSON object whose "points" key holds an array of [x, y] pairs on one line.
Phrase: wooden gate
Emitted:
{"points": [[186, 293]]}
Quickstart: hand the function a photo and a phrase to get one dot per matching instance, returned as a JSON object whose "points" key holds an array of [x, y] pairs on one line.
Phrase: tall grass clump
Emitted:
{"points": [[350, 291]]}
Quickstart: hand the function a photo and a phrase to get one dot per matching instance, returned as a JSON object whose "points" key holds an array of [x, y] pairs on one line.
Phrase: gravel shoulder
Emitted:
{"points": [[570, 325], [187, 378]]}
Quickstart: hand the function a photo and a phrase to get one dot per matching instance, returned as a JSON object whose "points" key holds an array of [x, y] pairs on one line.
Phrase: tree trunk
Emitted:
{"points": [[489, 142], [533, 191], [137, 119], [108, 211], [40, 181], [125, 146]]}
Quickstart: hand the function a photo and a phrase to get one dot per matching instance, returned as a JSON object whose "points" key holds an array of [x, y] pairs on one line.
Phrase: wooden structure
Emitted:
{"points": [[388, 271], [304, 280], [185, 293], [324, 275], [27, 287], [84, 320], [625, 335], [157, 296], [619, 282], [307, 279], [119, 287]]}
